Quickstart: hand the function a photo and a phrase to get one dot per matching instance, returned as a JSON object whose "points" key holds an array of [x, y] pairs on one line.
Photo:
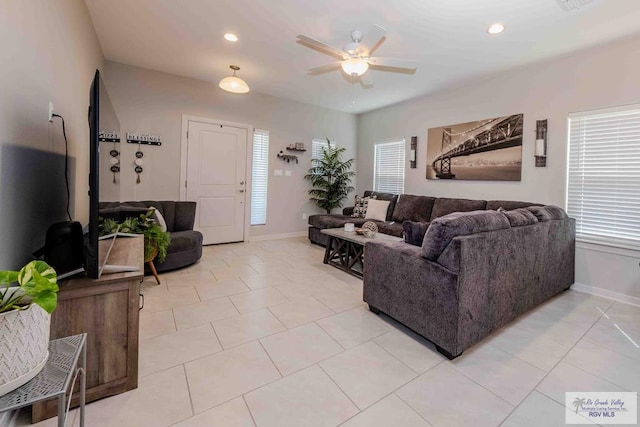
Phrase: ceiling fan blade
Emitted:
{"points": [[324, 68], [372, 40], [321, 47], [393, 65]]}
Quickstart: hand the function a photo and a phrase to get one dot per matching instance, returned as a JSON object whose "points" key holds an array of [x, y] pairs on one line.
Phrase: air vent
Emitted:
{"points": [[573, 4]]}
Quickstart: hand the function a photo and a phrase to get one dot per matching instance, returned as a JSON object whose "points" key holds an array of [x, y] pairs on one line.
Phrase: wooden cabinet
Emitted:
{"points": [[107, 309]]}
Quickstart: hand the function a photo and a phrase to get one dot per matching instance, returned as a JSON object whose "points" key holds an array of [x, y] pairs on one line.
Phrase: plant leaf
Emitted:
{"points": [[8, 277], [38, 280]]}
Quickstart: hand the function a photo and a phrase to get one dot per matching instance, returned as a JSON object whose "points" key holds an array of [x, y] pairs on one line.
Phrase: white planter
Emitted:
{"points": [[24, 344]]}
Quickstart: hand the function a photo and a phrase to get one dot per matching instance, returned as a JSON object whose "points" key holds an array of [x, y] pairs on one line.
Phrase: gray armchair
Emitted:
{"points": [[186, 243]]}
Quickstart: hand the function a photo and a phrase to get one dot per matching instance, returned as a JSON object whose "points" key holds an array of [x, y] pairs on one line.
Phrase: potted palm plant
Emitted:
{"points": [[330, 177], [25, 317]]}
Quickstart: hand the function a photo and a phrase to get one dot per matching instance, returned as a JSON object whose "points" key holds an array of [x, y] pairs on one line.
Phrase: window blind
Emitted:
{"points": [[259, 174], [603, 191], [388, 175], [316, 147]]}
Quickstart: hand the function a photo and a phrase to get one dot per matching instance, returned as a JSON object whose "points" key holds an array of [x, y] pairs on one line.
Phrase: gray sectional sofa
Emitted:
{"points": [[405, 207], [186, 243], [472, 268]]}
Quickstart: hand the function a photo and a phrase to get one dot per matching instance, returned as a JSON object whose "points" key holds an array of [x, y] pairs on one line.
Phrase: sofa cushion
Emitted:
{"points": [[377, 209], [360, 208], [413, 208], [444, 206], [508, 204], [392, 198], [414, 232], [547, 213], [520, 217], [185, 249], [333, 221], [390, 228], [442, 230], [184, 240]]}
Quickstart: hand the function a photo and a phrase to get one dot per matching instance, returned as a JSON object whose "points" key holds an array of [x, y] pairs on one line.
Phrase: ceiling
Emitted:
{"points": [[446, 38]]}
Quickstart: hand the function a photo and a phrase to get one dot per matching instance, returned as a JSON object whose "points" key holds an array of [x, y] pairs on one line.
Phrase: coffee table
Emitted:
{"points": [[345, 249]]}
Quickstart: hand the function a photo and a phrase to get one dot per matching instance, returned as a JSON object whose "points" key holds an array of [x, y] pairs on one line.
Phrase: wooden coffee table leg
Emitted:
{"points": [[153, 270], [327, 250]]}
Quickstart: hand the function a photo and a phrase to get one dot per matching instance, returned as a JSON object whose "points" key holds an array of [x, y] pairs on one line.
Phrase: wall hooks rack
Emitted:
{"points": [[143, 138], [287, 157], [109, 136]]}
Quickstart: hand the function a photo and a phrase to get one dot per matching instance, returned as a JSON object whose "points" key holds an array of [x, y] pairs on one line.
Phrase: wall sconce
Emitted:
{"points": [[412, 155], [541, 143]]}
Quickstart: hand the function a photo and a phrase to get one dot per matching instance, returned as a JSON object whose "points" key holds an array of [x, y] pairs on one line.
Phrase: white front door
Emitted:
{"points": [[216, 180]]}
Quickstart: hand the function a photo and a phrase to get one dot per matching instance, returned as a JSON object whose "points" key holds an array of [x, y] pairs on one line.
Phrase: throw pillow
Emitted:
{"points": [[159, 218], [414, 232], [377, 209], [413, 208], [360, 208]]}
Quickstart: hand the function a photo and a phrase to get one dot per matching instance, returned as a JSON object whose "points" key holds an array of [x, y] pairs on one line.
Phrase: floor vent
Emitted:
{"points": [[573, 4]]}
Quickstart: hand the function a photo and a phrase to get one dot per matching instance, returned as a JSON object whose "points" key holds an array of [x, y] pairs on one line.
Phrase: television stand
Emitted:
{"points": [[110, 268], [107, 310]]}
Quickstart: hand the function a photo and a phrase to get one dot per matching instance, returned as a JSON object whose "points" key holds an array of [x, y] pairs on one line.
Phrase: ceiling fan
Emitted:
{"points": [[355, 57]]}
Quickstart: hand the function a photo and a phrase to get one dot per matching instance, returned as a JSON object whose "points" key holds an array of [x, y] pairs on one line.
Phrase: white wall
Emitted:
{"points": [[599, 77], [154, 102], [49, 52]]}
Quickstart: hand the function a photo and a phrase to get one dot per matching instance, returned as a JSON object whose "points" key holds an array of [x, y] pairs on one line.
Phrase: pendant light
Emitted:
{"points": [[234, 84]]}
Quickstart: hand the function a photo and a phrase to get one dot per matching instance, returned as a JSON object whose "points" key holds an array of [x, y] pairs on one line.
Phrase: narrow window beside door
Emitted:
{"points": [[259, 174], [388, 173]]}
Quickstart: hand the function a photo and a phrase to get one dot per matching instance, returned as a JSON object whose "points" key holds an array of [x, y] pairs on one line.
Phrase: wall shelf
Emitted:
{"points": [[287, 157]]}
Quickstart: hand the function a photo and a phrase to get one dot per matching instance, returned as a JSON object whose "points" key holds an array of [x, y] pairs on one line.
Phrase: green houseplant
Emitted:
{"points": [[25, 318], [37, 284], [156, 241], [330, 178]]}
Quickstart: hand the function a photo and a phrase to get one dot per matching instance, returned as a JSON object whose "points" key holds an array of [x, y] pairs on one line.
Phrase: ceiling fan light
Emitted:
{"points": [[234, 84], [354, 67]]}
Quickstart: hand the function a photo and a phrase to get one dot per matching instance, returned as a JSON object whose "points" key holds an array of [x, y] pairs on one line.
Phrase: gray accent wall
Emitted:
{"points": [[49, 52], [153, 102], [595, 78]]}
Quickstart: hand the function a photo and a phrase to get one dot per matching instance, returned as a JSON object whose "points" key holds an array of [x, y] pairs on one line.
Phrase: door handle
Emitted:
{"points": [[241, 182], [242, 191]]}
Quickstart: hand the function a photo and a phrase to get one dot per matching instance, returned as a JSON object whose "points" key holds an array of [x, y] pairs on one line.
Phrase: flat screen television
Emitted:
{"points": [[102, 117]]}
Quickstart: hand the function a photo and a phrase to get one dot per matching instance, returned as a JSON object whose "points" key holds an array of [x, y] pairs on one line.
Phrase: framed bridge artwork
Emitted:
{"points": [[484, 150]]}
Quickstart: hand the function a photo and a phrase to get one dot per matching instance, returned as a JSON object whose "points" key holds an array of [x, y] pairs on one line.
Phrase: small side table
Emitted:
{"points": [[67, 361]]}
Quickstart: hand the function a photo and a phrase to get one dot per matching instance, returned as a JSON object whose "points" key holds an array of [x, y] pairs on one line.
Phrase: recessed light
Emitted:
{"points": [[496, 28], [231, 37]]}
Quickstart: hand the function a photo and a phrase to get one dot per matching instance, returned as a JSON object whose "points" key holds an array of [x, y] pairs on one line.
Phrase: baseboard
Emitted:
{"points": [[278, 236], [616, 296]]}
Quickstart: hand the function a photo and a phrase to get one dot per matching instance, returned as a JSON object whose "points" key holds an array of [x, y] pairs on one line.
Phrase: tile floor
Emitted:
{"points": [[264, 334]]}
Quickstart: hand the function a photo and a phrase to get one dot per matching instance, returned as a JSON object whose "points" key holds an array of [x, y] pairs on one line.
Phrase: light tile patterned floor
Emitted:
{"points": [[265, 334]]}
